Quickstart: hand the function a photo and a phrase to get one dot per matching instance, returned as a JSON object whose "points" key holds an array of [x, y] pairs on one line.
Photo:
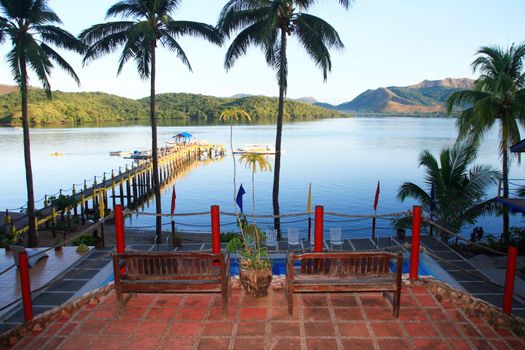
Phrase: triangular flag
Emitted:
{"points": [[376, 199], [173, 197], [238, 199], [309, 200]]}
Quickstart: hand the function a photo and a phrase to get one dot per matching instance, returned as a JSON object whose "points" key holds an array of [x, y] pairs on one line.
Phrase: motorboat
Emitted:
{"points": [[255, 148]]}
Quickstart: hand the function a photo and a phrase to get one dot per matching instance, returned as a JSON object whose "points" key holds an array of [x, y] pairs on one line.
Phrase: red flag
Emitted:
{"points": [[173, 197], [377, 196]]}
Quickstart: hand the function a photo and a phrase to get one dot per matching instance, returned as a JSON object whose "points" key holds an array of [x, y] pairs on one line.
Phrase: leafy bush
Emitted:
{"points": [[82, 248], [63, 202], [228, 236], [88, 240]]}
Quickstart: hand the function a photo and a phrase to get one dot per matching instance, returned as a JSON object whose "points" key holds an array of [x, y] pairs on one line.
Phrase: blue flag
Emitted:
{"points": [[238, 200]]}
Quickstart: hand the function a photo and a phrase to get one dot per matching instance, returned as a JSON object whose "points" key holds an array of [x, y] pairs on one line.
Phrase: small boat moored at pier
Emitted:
{"points": [[255, 148]]}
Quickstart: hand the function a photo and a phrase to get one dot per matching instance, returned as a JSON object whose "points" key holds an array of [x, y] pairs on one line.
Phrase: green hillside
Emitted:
{"points": [[85, 107]]}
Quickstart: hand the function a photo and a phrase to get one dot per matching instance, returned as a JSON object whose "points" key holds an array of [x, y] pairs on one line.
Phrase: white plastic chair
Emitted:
{"points": [[271, 238], [335, 237], [293, 237]]}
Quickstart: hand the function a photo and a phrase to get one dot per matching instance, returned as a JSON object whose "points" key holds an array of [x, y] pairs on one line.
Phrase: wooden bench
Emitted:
{"points": [[164, 272], [344, 272]]}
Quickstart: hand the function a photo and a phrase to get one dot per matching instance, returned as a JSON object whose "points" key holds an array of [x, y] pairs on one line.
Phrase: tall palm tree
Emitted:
{"points": [[267, 24], [145, 25], [32, 27], [498, 95], [459, 186]]}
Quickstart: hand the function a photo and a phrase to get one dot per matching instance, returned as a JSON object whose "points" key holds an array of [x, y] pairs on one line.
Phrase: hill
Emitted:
{"points": [[429, 96], [67, 107], [7, 89]]}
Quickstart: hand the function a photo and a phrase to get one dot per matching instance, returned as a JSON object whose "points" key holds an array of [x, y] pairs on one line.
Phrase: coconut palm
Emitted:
{"points": [[459, 186], [498, 98], [267, 24], [145, 25], [33, 29]]}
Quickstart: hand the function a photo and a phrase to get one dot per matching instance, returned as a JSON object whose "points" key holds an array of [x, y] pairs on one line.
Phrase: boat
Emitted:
{"points": [[120, 153], [255, 148], [56, 154], [144, 154]]}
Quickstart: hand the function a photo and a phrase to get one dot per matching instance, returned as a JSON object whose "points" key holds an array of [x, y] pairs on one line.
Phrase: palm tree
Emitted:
{"points": [[267, 24], [498, 95], [32, 27], [459, 186], [149, 25]]}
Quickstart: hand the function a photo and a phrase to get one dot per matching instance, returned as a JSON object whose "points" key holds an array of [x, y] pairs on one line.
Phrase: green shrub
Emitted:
{"points": [[87, 240], [82, 248], [228, 236]]}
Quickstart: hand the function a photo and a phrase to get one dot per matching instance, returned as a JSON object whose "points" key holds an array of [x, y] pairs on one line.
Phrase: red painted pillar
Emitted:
{"points": [[119, 229], [215, 229], [23, 269], [509, 279], [416, 233], [319, 223]]}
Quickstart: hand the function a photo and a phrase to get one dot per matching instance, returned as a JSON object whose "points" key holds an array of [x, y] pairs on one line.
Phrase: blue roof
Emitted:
{"points": [[184, 134]]}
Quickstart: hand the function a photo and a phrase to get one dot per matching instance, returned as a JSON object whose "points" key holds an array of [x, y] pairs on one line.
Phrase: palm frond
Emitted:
{"points": [[172, 44], [60, 38], [203, 30], [60, 61], [39, 62], [99, 32], [409, 189], [128, 9]]}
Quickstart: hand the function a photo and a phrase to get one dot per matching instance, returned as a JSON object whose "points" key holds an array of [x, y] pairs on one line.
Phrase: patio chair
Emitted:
{"points": [[271, 238], [293, 237], [335, 238]]}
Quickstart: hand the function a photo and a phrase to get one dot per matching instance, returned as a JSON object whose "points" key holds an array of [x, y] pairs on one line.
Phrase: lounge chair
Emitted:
{"points": [[271, 238], [33, 255], [335, 238], [293, 237]]}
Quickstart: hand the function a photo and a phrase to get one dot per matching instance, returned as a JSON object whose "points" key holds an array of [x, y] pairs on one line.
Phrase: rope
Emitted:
{"points": [[406, 213], [441, 228], [270, 216]]}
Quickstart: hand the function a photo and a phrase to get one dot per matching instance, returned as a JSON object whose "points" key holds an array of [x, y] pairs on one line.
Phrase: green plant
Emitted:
{"points": [[5, 237], [249, 246], [82, 248], [84, 239], [63, 202], [228, 236]]}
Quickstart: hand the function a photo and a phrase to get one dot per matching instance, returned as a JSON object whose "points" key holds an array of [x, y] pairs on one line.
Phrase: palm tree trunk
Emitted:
{"points": [[154, 155], [278, 137], [505, 174], [32, 238]]}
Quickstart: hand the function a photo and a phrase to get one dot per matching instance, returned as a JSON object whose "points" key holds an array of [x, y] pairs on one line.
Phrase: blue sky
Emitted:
{"points": [[387, 42]]}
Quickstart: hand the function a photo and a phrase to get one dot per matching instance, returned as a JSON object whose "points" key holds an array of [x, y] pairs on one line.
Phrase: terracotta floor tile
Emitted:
{"points": [[357, 344], [217, 314], [77, 342], [422, 329], [419, 290], [468, 330], [482, 344], [447, 329], [460, 344], [515, 344], [379, 313], [319, 329], [412, 314], [315, 300], [120, 327], [53, 343], [152, 328], [213, 344], [178, 343], [251, 343], [158, 313], [198, 301], [348, 314], [321, 344], [168, 300], [427, 300], [108, 342], [190, 313], [285, 329], [374, 300], [353, 329], [408, 301], [91, 326], [253, 313], [393, 344], [187, 329], [251, 328], [281, 314], [52, 329], [343, 300], [500, 344], [142, 299], [107, 313], [487, 332], [251, 301], [436, 314], [68, 328], [456, 316], [143, 342], [284, 343], [218, 328], [387, 329], [431, 344], [133, 313], [316, 314]]}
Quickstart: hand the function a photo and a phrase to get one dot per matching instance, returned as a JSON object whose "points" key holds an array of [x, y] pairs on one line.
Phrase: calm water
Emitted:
{"points": [[343, 159]]}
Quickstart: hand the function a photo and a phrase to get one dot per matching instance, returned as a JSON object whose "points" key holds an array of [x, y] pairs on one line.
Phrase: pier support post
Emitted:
{"points": [[319, 223], [23, 269], [509, 279], [119, 229], [416, 235]]}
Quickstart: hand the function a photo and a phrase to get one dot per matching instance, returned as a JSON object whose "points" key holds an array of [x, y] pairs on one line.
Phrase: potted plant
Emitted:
{"points": [[255, 268]]}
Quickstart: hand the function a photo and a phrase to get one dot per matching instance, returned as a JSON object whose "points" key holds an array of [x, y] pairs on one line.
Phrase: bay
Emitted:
{"points": [[342, 158]]}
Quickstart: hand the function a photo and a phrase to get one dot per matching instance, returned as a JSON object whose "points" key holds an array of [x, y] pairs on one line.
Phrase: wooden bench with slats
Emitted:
{"points": [[165, 272], [344, 272]]}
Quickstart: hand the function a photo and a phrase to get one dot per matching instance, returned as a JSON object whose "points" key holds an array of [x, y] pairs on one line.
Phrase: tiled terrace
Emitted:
{"points": [[320, 321]]}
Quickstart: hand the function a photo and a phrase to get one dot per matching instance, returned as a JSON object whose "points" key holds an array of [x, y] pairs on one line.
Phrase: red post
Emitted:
{"points": [[416, 233], [119, 229], [23, 269], [215, 229], [318, 234], [509, 279]]}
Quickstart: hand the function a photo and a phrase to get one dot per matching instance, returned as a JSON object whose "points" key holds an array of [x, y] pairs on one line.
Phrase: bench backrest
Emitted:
{"points": [[342, 264], [169, 265]]}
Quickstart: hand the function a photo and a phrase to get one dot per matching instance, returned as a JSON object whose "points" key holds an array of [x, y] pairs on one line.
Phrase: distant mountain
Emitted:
{"points": [[68, 107], [429, 96], [7, 89], [308, 99]]}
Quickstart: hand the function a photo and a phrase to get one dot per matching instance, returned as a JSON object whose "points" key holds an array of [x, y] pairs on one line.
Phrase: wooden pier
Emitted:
{"points": [[129, 187]]}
